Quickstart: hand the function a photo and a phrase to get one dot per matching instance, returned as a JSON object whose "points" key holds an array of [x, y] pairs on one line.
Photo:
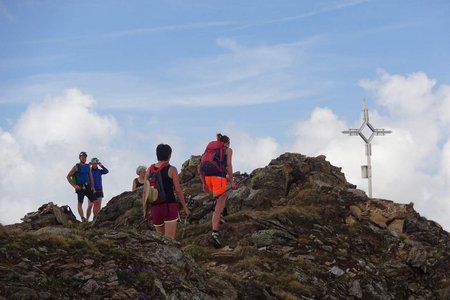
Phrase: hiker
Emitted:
{"points": [[164, 211], [215, 170], [80, 178], [138, 182], [97, 170]]}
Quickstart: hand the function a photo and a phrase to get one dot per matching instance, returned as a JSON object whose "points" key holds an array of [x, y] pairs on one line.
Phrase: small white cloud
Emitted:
{"points": [[67, 120], [314, 135], [251, 152], [403, 95]]}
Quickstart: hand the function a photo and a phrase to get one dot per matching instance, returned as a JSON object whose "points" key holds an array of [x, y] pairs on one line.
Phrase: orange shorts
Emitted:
{"points": [[217, 185]]}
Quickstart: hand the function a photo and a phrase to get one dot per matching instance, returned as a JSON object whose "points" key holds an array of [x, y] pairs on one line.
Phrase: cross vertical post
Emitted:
{"points": [[367, 169]]}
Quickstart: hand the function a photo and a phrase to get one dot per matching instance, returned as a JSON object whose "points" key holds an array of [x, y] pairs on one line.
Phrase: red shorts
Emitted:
{"points": [[166, 212], [216, 184]]}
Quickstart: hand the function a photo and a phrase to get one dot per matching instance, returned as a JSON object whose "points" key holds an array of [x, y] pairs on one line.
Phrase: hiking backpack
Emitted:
{"points": [[212, 162], [157, 194], [68, 211]]}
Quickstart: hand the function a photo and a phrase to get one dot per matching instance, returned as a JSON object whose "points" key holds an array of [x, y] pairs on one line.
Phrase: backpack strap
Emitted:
{"points": [[154, 169]]}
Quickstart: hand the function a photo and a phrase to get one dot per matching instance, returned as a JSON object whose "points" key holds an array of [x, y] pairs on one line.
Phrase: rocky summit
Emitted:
{"points": [[295, 229]]}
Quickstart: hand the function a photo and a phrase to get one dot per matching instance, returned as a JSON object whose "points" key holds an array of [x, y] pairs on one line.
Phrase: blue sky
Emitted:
{"points": [[115, 78]]}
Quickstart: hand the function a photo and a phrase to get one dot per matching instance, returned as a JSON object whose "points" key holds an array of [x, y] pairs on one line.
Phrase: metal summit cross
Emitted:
{"points": [[366, 170]]}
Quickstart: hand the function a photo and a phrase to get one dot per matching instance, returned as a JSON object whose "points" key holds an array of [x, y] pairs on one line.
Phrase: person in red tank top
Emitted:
{"points": [[165, 215], [217, 185]]}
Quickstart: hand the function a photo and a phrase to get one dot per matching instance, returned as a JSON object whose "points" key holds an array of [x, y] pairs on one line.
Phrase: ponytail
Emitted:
{"points": [[222, 138]]}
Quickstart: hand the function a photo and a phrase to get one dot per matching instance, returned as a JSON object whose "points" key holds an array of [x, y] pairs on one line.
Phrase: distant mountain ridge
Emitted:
{"points": [[296, 229]]}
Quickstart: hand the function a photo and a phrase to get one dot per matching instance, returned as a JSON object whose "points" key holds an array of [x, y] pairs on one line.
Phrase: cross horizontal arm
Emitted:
{"points": [[351, 131], [382, 131]]}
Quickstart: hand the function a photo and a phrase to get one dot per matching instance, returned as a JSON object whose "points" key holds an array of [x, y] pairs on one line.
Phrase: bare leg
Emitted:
{"points": [[89, 209], [160, 229], [97, 206], [80, 210], [170, 229], [220, 205]]}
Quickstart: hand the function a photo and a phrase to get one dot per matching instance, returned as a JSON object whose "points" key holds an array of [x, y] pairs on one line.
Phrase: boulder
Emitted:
{"points": [[356, 211], [378, 220]]}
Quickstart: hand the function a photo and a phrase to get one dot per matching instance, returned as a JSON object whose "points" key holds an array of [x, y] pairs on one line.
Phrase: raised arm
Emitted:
{"points": [[103, 169]]}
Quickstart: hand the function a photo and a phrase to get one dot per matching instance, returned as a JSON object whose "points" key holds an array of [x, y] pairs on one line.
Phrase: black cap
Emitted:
{"points": [[82, 153]]}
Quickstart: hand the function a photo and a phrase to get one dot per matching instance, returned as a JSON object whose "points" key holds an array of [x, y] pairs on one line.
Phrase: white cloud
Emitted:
{"points": [[316, 134], [444, 109], [13, 164], [67, 120], [251, 152], [403, 95]]}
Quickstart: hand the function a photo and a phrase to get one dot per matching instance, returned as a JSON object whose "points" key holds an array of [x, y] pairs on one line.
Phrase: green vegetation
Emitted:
{"points": [[304, 216], [145, 281], [197, 252], [59, 286], [256, 175], [248, 263], [135, 213], [239, 216], [194, 189], [52, 240], [288, 282], [3, 232], [193, 230]]}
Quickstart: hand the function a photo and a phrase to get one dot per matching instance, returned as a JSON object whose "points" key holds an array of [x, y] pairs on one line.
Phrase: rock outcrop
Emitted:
{"points": [[298, 229], [295, 229]]}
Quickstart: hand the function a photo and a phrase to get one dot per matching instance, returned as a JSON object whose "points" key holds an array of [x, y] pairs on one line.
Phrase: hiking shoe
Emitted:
{"points": [[83, 220], [216, 241]]}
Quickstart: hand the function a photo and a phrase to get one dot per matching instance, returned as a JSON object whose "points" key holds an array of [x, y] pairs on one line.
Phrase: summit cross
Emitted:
{"points": [[366, 170]]}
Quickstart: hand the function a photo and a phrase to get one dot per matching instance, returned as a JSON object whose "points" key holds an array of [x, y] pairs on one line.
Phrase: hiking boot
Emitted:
{"points": [[215, 240]]}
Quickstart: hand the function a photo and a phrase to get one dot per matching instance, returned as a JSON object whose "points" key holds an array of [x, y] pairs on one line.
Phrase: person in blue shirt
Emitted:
{"points": [[80, 178], [97, 170]]}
